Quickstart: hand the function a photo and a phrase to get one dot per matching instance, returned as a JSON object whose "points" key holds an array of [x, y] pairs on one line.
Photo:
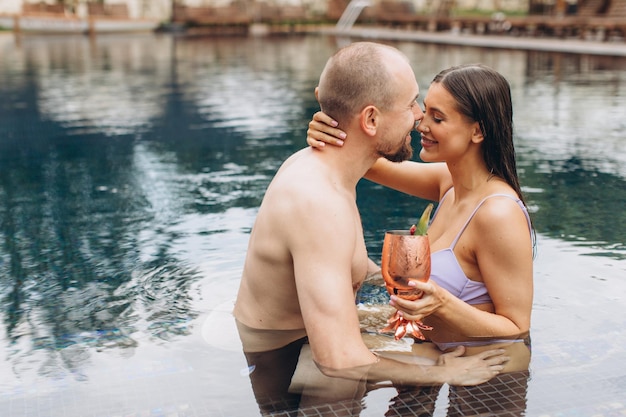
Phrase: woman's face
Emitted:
{"points": [[446, 133]]}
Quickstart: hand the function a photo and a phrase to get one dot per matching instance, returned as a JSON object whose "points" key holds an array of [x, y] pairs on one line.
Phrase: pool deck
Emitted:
{"points": [[575, 46]]}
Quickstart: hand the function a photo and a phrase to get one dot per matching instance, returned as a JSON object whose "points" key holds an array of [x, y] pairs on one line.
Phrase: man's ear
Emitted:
{"points": [[369, 120], [317, 93], [477, 133]]}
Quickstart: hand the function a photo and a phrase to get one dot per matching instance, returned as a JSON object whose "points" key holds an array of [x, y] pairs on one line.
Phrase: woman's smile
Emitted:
{"points": [[426, 143]]}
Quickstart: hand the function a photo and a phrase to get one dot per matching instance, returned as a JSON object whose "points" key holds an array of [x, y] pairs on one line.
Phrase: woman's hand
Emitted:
{"points": [[323, 130], [433, 298], [474, 369]]}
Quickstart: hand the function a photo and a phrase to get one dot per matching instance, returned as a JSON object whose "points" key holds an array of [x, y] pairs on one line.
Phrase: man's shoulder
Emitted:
{"points": [[301, 175], [296, 160], [303, 185]]}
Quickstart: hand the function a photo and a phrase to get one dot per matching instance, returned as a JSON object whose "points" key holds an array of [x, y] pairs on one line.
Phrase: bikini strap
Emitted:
{"points": [[517, 200]]}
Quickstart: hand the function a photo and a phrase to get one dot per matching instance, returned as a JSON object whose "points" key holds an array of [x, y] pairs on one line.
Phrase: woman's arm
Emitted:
{"points": [[503, 248], [499, 241], [426, 181]]}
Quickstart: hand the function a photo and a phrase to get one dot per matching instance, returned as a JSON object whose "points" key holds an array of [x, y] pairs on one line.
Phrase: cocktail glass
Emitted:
{"points": [[405, 258]]}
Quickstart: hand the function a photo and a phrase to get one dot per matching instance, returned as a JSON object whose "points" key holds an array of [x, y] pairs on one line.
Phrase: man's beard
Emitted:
{"points": [[402, 154]]}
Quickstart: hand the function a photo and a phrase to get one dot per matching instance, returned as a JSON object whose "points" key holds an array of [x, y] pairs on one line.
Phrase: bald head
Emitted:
{"points": [[359, 75]]}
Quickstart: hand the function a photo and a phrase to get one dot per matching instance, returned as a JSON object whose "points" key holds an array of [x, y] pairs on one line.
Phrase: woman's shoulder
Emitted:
{"points": [[501, 210]]}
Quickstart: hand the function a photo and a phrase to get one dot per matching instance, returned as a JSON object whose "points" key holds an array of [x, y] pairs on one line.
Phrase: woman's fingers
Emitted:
{"points": [[314, 142], [322, 130], [410, 310], [322, 117], [495, 356]]}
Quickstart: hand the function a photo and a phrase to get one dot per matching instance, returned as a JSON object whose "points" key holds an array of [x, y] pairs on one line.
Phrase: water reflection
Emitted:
{"points": [[571, 147], [93, 88], [574, 112], [261, 99], [131, 170], [287, 382]]}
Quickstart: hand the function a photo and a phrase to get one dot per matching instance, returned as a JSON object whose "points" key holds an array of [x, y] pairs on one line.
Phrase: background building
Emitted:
{"points": [[162, 9]]}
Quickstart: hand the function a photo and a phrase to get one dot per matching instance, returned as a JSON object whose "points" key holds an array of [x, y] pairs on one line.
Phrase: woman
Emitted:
{"points": [[481, 285]]}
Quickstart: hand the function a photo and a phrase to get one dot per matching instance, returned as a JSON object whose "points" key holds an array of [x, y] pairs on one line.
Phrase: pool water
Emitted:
{"points": [[131, 168]]}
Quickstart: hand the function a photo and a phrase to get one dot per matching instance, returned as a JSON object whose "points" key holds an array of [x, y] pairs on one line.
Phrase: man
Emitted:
{"points": [[307, 257]]}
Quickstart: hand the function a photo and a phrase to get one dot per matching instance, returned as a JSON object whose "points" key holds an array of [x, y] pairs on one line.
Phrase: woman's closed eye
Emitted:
{"points": [[435, 118]]}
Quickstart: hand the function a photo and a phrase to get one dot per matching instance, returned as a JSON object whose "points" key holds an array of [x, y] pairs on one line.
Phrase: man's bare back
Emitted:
{"points": [[268, 297]]}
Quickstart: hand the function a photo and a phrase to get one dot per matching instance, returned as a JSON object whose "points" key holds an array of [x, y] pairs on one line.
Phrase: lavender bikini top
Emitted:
{"points": [[445, 268]]}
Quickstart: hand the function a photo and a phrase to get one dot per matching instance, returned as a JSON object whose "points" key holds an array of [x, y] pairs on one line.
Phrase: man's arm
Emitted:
{"points": [[323, 250]]}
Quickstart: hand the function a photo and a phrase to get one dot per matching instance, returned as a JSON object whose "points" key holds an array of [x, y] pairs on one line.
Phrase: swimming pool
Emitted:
{"points": [[131, 170]]}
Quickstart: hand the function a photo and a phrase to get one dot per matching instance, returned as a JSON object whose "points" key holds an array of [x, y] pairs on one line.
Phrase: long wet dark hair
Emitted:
{"points": [[484, 95]]}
